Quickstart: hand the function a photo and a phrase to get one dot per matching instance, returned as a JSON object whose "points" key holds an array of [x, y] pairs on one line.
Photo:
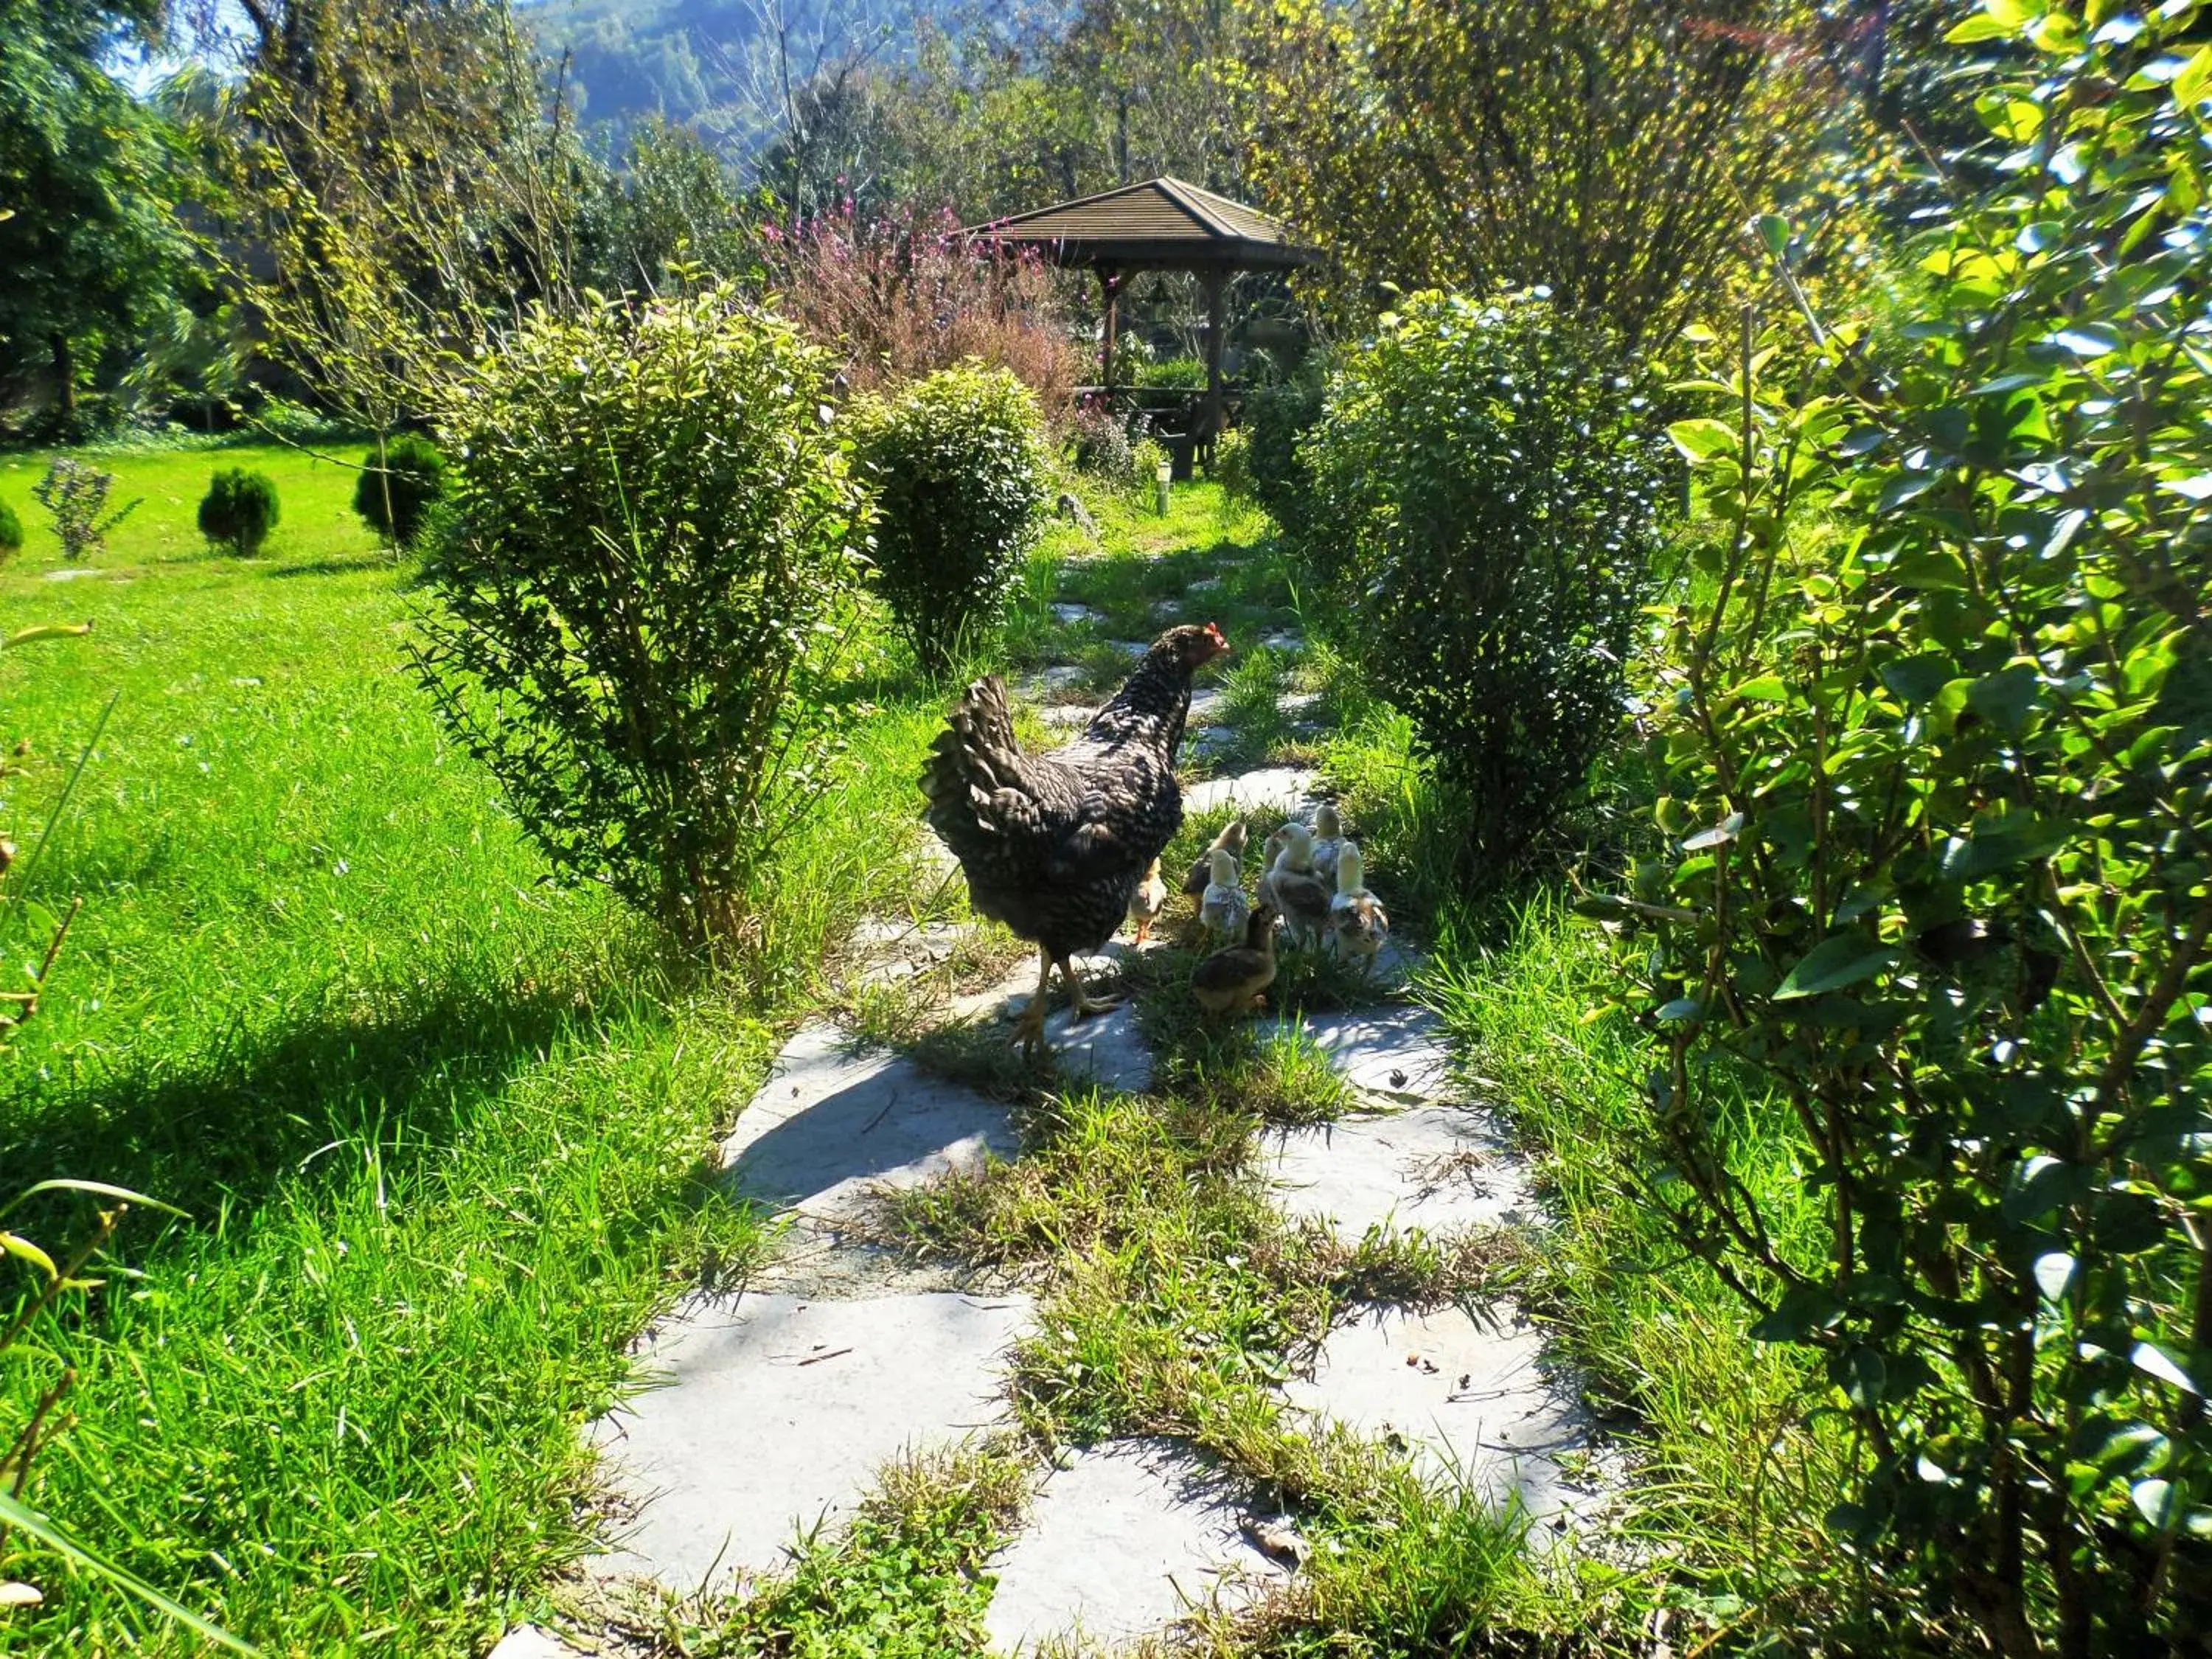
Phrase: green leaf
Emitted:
{"points": [[1701, 437], [2154, 1501], [1774, 232], [2054, 1273], [1832, 963], [16, 1514], [2196, 77], [98, 1189], [2154, 1361]]}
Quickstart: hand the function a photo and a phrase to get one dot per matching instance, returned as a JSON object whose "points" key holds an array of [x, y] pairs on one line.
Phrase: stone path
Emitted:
{"points": [[767, 1413]]}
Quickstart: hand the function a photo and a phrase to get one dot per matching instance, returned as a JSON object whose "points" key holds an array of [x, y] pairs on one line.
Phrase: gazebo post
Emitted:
{"points": [[1217, 282], [1110, 281]]}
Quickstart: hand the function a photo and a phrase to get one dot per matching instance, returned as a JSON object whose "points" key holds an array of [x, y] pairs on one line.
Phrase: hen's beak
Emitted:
{"points": [[1220, 644]]}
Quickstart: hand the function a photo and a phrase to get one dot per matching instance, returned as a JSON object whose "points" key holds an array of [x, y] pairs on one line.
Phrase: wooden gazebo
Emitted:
{"points": [[1162, 224]]}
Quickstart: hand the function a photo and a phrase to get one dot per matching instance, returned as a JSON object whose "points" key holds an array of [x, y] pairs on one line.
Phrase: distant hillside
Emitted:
{"points": [[713, 63]]}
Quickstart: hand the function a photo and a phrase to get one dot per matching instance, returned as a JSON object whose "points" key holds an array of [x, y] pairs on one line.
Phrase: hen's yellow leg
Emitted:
{"points": [[1083, 1006], [1030, 1030]]}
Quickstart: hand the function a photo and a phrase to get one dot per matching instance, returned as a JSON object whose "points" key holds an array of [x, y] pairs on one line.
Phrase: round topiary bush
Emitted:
{"points": [[11, 531], [958, 464], [239, 510], [393, 498], [648, 569], [1494, 490]]}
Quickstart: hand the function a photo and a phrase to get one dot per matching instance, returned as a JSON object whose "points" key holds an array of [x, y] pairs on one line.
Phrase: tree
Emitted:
{"points": [[393, 164], [89, 177], [673, 204], [1608, 153]]}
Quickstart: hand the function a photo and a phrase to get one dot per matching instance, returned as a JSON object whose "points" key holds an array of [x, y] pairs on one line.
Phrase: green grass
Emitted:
{"points": [[442, 1128], [439, 1123]]}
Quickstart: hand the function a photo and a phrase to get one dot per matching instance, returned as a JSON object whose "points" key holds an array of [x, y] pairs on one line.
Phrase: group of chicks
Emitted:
{"points": [[1312, 879]]}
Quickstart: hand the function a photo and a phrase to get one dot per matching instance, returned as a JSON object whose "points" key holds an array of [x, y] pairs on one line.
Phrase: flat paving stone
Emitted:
{"points": [[1206, 705], [775, 1412], [1077, 715], [1207, 741], [1046, 682], [888, 949], [1067, 613], [1107, 1048], [835, 1121], [1468, 1401], [1397, 1052], [1270, 789], [1284, 639], [1122, 1541], [1438, 1168], [529, 1642], [1297, 702]]}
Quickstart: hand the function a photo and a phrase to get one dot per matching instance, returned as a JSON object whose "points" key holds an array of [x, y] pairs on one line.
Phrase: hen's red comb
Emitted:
{"points": [[1213, 633]]}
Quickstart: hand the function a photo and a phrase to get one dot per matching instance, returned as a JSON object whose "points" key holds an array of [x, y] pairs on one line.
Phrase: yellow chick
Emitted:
{"points": [[1357, 920], [1148, 900]]}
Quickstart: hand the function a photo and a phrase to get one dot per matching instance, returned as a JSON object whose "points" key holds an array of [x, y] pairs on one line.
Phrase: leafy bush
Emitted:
{"points": [[1936, 731], [239, 510], [11, 531], [1492, 501], [958, 461], [1275, 419], [1098, 442], [74, 496], [1232, 466], [898, 297], [648, 562], [394, 497], [1184, 374]]}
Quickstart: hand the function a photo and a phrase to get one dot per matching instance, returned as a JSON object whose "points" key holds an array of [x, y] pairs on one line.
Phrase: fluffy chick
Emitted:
{"points": [[1357, 920], [1148, 900], [1223, 908], [1230, 841], [1294, 889], [1328, 840], [1233, 980]]}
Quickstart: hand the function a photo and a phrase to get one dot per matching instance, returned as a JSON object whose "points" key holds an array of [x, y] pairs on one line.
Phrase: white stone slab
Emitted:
{"points": [[1122, 1542], [1107, 1048], [1468, 1400], [1206, 705], [529, 1642], [1076, 714], [891, 948], [1059, 677], [1398, 1052], [775, 1412], [1207, 741], [835, 1121], [1284, 639], [1285, 789], [1437, 1168], [1073, 613], [1297, 702], [1131, 647]]}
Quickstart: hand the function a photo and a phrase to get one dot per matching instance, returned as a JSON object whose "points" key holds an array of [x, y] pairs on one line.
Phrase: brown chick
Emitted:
{"points": [[1293, 888], [1231, 840], [1232, 979], [1148, 900]]}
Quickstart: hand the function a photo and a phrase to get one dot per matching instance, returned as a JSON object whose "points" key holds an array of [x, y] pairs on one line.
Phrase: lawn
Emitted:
{"points": [[440, 1126], [437, 1122]]}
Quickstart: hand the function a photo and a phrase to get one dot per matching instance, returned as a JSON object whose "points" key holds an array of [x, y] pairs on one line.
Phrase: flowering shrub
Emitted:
{"points": [[899, 297]]}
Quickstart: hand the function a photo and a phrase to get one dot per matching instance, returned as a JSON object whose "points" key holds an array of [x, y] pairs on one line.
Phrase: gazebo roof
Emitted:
{"points": [[1160, 224]]}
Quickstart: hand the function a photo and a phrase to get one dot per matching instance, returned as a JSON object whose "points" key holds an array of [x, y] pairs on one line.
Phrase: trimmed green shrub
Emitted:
{"points": [[649, 565], [11, 531], [1935, 731], [1184, 374], [394, 498], [957, 461], [1274, 419], [1492, 497], [239, 510]]}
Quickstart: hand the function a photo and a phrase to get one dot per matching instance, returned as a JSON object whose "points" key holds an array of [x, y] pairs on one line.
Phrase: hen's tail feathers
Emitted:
{"points": [[973, 774]]}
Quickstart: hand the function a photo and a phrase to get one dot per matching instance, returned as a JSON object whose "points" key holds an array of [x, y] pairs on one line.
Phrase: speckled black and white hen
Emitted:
{"points": [[1054, 845]]}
